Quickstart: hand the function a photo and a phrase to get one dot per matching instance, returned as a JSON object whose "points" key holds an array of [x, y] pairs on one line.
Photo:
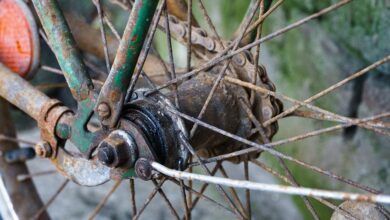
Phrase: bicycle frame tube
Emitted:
{"points": [[75, 72], [63, 45], [115, 88], [20, 93]]}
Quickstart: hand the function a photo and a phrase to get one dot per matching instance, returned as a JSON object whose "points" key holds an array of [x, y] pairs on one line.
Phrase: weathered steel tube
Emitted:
{"points": [[64, 46], [114, 89], [20, 93]]}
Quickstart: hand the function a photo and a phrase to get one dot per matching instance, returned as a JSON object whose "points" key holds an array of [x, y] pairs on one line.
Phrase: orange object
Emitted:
{"points": [[19, 43]]}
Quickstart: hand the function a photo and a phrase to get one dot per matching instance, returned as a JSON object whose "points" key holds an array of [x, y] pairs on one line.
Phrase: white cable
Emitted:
{"points": [[273, 187]]}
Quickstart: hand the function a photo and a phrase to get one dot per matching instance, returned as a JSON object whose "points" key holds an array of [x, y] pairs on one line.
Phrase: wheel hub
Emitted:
{"points": [[146, 130]]}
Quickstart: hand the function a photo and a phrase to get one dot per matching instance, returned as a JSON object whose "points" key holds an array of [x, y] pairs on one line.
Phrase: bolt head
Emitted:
{"points": [[143, 169], [103, 110], [117, 150], [43, 149], [106, 154]]}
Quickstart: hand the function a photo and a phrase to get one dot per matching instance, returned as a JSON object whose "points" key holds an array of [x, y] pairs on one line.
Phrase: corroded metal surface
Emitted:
{"points": [[47, 112], [225, 110], [115, 87], [86, 172], [58, 123], [50, 114], [64, 47], [225, 106], [21, 93]]}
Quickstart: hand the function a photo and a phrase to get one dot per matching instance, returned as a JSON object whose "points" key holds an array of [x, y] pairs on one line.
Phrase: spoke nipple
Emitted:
{"points": [[43, 149], [103, 110]]}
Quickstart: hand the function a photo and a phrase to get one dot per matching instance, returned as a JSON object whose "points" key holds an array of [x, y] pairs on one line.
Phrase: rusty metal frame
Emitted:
{"points": [[114, 90], [57, 122]]}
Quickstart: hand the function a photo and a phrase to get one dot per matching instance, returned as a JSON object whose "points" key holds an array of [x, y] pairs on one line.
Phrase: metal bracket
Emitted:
{"points": [[47, 122], [80, 170]]}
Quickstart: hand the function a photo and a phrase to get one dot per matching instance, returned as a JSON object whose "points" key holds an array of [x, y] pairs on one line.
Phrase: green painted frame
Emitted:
{"points": [[64, 47]]}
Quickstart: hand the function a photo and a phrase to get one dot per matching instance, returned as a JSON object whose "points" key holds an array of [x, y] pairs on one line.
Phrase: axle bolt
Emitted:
{"points": [[118, 150], [43, 149], [103, 110], [106, 154]]}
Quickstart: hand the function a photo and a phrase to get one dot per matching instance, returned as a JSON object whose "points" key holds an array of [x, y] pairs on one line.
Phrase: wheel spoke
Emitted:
{"points": [[104, 200], [206, 169], [201, 195], [221, 73], [189, 198], [132, 192], [224, 55], [148, 80], [149, 199], [268, 148], [330, 89], [282, 163], [176, 76], [260, 20], [24, 177], [233, 192], [51, 200], [210, 23], [171, 59], [288, 181], [51, 69], [203, 189], [145, 51], [189, 33], [166, 200], [184, 198], [16, 140], [247, 191], [111, 26], [257, 54], [98, 5], [66, 52], [323, 117], [126, 4], [331, 115], [44, 86], [246, 18]]}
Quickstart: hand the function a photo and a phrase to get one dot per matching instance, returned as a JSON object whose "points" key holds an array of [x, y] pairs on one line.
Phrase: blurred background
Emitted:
{"points": [[301, 63]]}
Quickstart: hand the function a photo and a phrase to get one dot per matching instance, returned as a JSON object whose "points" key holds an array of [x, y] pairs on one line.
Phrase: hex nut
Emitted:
{"points": [[118, 150], [43, 149]]}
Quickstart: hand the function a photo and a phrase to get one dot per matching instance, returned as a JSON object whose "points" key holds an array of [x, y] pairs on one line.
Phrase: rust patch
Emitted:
{"points": [[115, 95]]}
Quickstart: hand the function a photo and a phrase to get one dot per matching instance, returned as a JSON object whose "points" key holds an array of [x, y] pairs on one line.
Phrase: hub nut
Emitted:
{"points": [[118, 150]]}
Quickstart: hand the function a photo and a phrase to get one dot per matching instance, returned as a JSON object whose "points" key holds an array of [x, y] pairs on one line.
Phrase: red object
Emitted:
{"points": [[18, 37]]}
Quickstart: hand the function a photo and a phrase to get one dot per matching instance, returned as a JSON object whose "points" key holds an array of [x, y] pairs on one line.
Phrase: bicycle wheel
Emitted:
{"points": [[215, 111]]}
